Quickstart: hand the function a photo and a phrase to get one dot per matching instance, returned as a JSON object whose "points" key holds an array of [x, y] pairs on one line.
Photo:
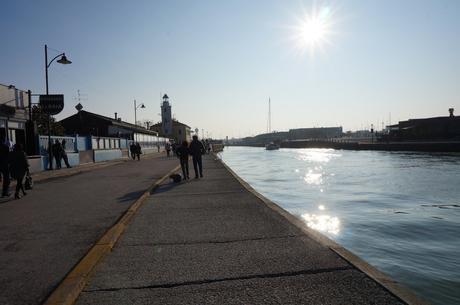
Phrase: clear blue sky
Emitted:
{"points": [[219, 61]]}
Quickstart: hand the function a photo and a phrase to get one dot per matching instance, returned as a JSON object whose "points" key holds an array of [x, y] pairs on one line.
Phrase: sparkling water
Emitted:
{"points": [[398, 211]]}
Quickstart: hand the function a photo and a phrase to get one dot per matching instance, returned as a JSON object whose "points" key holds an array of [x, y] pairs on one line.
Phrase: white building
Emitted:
{"points": [[166, 117], [14, 113]]}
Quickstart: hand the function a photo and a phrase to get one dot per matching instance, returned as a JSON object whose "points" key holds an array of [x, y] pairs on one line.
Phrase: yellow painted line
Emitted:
{"points": [[70, 288], [388, 283]]}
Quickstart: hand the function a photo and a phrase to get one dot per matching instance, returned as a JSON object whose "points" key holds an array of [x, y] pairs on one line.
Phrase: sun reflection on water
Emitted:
{"points": [[322, 223], [317, 155], [314, 178]]}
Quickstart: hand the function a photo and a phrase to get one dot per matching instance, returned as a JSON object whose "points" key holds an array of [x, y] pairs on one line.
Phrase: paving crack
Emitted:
{"points": [[214, 241], [228, 279]]}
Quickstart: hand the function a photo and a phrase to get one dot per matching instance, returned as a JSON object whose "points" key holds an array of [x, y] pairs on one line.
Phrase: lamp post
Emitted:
{"points": [[141, 105], [135, 110], [63, 60]]}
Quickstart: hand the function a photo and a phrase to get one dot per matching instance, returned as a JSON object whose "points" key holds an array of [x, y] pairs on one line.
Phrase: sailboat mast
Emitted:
{"points": [[269, 116]]}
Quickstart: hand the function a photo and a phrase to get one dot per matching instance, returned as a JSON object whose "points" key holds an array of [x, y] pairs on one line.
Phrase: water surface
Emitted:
{"points": [[398, 211]]}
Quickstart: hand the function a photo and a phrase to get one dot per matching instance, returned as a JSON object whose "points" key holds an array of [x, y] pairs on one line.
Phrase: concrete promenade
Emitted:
{"points": [[211, 241], [46, 233]]}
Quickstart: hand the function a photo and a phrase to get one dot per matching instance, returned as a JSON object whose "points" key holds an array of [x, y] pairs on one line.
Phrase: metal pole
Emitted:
{"points": [[29, 93], [135, 115], [46, 68], [50, 153]]}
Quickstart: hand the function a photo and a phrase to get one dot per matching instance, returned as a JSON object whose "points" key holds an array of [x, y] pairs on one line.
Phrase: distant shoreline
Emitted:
{"points": [[380, 146]]}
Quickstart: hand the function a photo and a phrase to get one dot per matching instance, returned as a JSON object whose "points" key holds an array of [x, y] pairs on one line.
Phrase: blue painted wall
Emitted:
{"points": [[106, 155]]}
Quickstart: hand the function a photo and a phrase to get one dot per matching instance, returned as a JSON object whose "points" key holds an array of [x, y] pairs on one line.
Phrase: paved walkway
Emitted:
{"points": [[210, 241], [43, 235]]}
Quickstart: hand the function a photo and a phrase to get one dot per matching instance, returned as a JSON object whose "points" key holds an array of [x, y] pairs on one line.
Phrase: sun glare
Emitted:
{"points": [[313, 30]]}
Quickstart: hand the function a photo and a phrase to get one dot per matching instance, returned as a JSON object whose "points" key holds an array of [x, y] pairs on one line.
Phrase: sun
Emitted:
{"points": [[313, 30]]}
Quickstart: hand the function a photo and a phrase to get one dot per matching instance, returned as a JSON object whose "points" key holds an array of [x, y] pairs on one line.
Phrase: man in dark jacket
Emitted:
{"points": [[197, 150], [4, 158], [57, 153], [183, 153]]}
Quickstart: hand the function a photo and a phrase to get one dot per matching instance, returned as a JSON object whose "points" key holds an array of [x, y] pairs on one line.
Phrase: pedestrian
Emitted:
{"points": [[132, 149], [138, 151], [4, 170], [197, 150], [183, 153], [19, 167], [57, 152], [173, 148], [64, 154], [168, 149]]}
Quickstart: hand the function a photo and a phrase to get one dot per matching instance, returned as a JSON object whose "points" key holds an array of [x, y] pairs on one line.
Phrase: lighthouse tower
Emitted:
{"points": [[166, 117]]}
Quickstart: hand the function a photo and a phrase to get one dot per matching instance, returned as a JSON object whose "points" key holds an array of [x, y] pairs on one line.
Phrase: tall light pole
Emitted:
{"points": [[141, 105], [63, 60]]}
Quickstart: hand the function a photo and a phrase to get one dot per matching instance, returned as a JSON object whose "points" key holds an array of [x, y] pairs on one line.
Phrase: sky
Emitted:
{"points": [[376, 61]]}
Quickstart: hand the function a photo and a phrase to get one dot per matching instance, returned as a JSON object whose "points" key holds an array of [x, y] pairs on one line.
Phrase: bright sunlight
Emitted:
{"points": [[313, 30]]}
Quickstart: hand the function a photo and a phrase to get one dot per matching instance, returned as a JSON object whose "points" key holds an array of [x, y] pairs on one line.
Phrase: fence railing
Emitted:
{"points": [[82, 143], [69, 143], [105, 143]]}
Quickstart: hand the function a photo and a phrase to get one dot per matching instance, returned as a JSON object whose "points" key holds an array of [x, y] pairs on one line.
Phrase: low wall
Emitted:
{"points": [[86, 156], [107, 154], [149, 150], [35, 164], [73, 161]]}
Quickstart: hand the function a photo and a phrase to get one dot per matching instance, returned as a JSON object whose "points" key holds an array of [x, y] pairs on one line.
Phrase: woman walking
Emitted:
{"points": [[19, 167]]}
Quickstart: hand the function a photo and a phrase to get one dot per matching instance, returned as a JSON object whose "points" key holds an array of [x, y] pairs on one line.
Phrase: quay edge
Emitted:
{"points": [[394, 287]]}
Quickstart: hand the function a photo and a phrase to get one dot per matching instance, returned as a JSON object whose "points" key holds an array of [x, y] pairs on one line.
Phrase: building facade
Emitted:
{"points": [[14, 114], [428, 129], [180, 131], [87, 123], [315, 133]]}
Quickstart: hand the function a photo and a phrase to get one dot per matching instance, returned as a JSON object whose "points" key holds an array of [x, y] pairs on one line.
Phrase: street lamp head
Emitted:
{"points": [[64, 60]]}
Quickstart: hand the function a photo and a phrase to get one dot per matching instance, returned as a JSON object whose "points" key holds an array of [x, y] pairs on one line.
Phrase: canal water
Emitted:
{"points": [[398, 211]]}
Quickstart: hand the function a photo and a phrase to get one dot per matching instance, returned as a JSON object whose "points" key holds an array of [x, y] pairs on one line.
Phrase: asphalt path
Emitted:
{"points": [[46, 233], [211, 241]]}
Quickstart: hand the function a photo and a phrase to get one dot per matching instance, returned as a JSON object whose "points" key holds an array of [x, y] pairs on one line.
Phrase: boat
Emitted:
{"points": [[272, 146]]}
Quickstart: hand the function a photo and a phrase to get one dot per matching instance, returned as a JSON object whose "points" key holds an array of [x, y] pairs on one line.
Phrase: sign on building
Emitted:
{"points": [[52, 104]]}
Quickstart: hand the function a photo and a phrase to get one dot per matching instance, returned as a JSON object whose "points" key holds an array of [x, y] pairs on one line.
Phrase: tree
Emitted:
{"points": [[41, 119]]}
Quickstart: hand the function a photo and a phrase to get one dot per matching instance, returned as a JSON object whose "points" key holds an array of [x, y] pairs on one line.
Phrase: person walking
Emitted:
{"points": [[57, 152], [138, 151], [183, 153], [168, 149], [4, 170], [173, 148], [132, 149], [19, 167], [64, 154], [197, 150]]}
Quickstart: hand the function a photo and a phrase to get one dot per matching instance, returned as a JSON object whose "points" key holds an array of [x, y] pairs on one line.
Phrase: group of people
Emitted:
{"points": [[13, 164], [59, 153], [196, 149], [136, 151]]}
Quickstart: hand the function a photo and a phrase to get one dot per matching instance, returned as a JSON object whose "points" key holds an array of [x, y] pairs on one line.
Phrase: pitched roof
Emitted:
{"points": [[117, 122], [175, 123]]}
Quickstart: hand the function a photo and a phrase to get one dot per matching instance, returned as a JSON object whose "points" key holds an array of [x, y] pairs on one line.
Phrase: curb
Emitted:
{"points": [[42, 176], [402, 293], [72, 285]]}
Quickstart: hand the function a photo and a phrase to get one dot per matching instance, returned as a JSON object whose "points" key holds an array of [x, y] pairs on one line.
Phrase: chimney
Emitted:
{"points": [[451, 112], [116, 116]]}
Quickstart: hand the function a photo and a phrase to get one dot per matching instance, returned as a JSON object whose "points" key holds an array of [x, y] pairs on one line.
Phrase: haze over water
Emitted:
{"points": [[398, 211]]}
